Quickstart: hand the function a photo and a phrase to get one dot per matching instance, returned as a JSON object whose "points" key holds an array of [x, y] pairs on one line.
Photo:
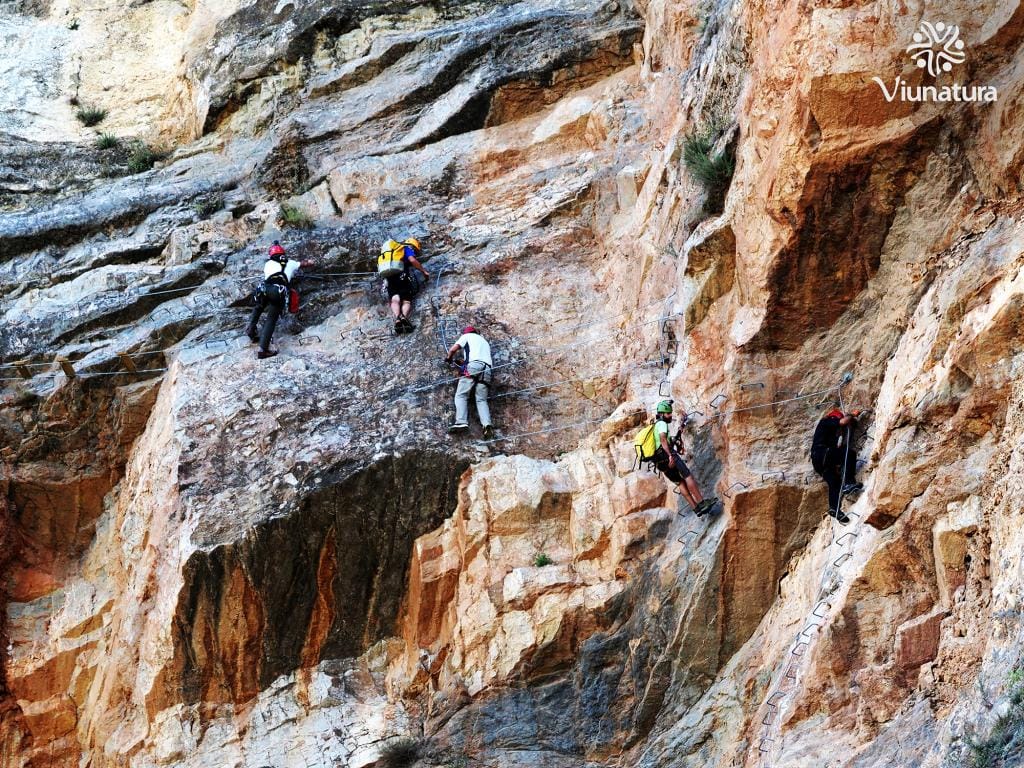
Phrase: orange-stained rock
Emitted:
{"points": [[917, 641]]}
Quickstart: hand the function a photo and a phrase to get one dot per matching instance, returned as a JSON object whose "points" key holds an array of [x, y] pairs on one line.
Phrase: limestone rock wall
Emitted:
{"points": [[210, 560]]}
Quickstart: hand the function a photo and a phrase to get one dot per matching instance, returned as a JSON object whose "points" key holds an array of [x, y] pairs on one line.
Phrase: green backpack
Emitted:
{"points": [[645, 443]]}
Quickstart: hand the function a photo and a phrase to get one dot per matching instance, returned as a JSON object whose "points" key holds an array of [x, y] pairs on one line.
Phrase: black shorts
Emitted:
{"points": [[676, 474], [402, 286]]}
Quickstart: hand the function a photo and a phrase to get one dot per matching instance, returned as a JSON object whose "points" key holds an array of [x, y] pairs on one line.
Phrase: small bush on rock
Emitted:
{"points": [[90, 116], [713, 171], [542, 559], [209, 206], [295, 218], [400, 753], [142, 158], [107, 141]]}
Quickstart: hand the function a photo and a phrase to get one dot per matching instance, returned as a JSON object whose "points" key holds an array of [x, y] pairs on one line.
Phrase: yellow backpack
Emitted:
{"points": [[390, 263], [645, 444]]}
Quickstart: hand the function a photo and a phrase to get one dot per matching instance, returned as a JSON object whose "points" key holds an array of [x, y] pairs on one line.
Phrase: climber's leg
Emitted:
{"points": [[254, 319], [831, 476], [275, 305], [850, 484], [462, 391]]}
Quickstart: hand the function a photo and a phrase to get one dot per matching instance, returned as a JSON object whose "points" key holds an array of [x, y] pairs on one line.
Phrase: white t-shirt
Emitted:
{"points": [[272, 267], [476, 348]]}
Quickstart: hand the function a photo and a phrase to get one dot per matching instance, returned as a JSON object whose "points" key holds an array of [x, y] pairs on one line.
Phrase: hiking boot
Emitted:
{"points": [[263, 354], [704, 507], [399, 327], [458, 427], [407, 324], [852, 488], [488, 432], [840, 516]]}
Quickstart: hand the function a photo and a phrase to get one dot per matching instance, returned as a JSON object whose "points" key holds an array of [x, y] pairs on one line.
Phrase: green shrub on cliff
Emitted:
{"points": [[90, 116], [142, 158], [294, 218], [712, 170]]}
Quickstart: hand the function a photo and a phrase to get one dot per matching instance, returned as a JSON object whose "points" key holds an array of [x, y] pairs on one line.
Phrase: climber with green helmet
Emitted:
{"points": [[654, 445]]}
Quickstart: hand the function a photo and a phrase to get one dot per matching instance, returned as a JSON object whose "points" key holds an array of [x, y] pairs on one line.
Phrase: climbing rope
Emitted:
{"points": [[557, 428]]}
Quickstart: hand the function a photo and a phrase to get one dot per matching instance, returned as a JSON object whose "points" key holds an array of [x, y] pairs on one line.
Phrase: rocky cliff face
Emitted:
{"points": [[214, 560]]}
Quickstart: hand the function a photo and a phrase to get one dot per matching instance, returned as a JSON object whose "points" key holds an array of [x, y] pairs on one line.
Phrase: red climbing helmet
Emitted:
{"points": [[277, 249], [469, 329]]}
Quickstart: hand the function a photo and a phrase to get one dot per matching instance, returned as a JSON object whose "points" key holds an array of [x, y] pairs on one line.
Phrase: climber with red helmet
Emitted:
{"points": [[400, 286], [273, 293], [474, 376], [834, 459]]}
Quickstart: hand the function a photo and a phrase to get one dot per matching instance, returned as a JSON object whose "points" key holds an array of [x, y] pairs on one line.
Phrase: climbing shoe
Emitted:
{"points": [[840, 516], [852, 488], [263, 354], [399, 327], [458, 427], [705, 506], [407, 325], [488, 432]]}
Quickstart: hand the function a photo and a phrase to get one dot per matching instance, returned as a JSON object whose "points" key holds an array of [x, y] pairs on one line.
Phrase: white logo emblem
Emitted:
{"points": [[937, 47]]}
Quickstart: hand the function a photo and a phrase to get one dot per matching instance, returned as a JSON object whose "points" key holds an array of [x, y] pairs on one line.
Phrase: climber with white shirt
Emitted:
{"points": [[273, 293], [474, 376]]}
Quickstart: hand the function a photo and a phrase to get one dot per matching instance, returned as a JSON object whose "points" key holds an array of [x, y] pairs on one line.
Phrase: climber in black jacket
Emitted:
{"points": [[831, 449]]}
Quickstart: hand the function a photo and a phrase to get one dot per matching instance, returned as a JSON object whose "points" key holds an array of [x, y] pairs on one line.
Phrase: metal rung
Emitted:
{"points": [[661, 387], [780, 695], [791, 672], [718, 400], [761, 747], [766, 475], [842, 559], [307, 340], [742, 486], [753, 385], [808, 628], [821, 604], [848, 534], [802, 646]]}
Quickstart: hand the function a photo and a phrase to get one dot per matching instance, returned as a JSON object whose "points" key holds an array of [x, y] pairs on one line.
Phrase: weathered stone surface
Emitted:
{"points": [[218, 561]]}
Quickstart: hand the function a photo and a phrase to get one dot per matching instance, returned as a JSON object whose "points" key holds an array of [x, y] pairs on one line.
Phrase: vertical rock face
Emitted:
{"points": [[214, 560]]}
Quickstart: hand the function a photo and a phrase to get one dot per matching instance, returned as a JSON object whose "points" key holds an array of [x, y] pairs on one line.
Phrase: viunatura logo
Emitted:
{"points": [[936, 48]]}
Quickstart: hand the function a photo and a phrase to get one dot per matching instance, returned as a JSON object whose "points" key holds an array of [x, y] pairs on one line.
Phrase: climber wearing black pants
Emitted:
{"points": [[830, 450], [271, 296]]}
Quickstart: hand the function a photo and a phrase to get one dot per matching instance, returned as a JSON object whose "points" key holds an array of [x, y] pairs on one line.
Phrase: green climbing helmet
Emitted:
{"points": [[665, 406]]}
